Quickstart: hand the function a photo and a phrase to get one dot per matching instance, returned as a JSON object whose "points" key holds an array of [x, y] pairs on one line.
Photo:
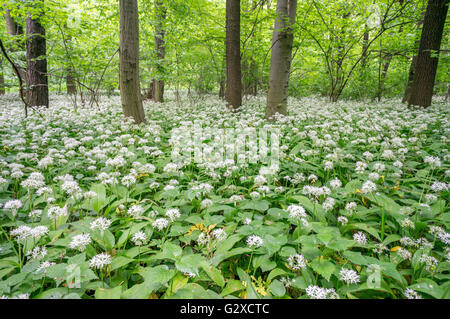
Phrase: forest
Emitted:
{"points": [[234, 149]]}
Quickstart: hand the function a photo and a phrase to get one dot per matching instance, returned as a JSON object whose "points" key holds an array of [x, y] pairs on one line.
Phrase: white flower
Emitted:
{"points": [[170, 168], [296, 211], [43, 266], [408, 223], [404, 254], [438, 187], [296, 262], [135, 211], [254, 241], [139, 238], [35, 180], [335, 183], [411, 294], [368, 187], [37, 253], [160, 223], [316, 292], [441, 234], [80, 242], [255, 195], [173, 214], [342, 220], [430, 262], [101, 224], [100, 261], [260, 180], [55, 212], [433, 161], [349, 276], [360, 238], [203, 239], [328, 204], [351, 206], [14, 205], [219, 234], [71, 187]]}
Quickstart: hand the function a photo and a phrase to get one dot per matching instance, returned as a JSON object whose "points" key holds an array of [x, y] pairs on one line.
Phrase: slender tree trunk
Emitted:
{"points": [[37, 81], [70, 82], [280, 62], [71, 86], [365, 48], [15, 30], [11, 25], [130, 91], [428, 57], [158, 84], [233, 90], [2, 79], [383, 75]]}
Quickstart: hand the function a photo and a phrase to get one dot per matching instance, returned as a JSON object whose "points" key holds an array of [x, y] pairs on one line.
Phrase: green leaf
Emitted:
{"points": [[277, 288], [113, 293], [189, 263], [232, 287], [213, 273], [120, 261], [323, 267], [259, 205], [275, 273]]}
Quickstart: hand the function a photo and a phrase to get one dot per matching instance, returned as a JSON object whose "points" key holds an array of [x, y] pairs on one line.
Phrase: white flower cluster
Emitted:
{"points": [[139, 238], [100, 261], [80, 242], [316, 292], [160, 223], [24, 232], [254, 241], [297, 262], [349, 276]]}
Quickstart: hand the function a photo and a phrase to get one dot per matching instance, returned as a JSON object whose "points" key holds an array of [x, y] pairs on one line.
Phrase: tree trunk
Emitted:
{"points": [[365, 48], [233, 90], [412, 67], [11, 25], [2, 79], [280, 62], [222, 88], [15, 29], [70, 82], [428, 57], [130, 91], [37, 81], [383, 75], [158, 84]]}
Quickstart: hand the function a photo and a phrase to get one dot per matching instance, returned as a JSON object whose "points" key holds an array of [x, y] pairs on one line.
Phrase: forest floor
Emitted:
{"points": [[357, 205]]}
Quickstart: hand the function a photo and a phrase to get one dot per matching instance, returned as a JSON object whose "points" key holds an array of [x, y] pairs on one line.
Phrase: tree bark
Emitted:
{"points": [[428, 57], [130, 91], [158, 84], [2, 79], [70, 82], [233, 90], [11, 25], [383, 75], [280, 62], [15, 29], [37, 81]]}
